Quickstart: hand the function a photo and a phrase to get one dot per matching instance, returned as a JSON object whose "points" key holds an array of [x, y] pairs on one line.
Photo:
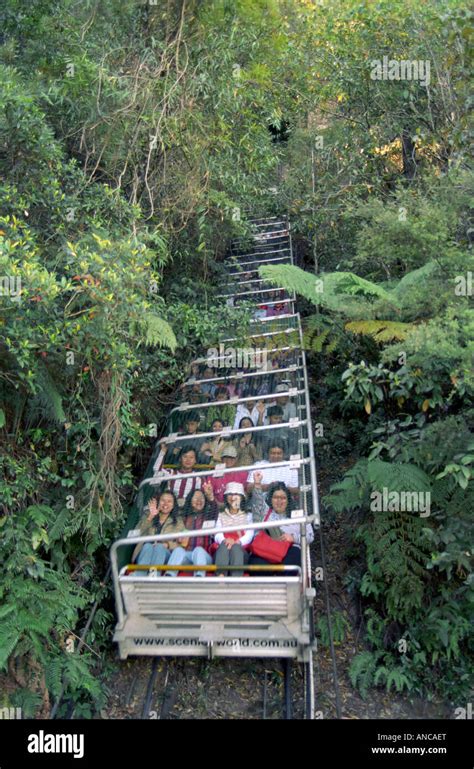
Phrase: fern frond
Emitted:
{"points": [[415, 277], [362, 670], [293, 279], [342, 292], [47, 399], [380, 330], [350, 283], [397, 476], [9, 637], [158, 332]]}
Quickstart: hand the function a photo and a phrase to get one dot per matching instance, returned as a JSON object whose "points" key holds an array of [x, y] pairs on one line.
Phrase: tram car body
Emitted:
{"points": [[253, 615]]}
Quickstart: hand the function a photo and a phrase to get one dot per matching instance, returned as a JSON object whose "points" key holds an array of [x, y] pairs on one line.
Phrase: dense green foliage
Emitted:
{"points": [[385, 233], [134, 138]]}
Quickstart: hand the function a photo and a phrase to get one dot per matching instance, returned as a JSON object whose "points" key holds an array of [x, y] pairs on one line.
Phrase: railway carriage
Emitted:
{"points": [[253, 615]]}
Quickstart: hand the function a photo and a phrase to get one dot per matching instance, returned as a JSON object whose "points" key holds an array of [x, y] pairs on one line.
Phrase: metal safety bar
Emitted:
{"points": [[219, 470], [289, 330], [241, 375], [187, 533], [253, 280], [275, 317], [224, 355], [271, 235], [175, 437], [237, 263], [284, 300], [256, 291], [211, 568], [260, 262], [186, 406]]}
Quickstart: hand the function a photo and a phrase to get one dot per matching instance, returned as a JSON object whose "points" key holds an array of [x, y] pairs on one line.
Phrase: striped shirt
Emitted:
{"points": [[181, 487], [239, 519]]}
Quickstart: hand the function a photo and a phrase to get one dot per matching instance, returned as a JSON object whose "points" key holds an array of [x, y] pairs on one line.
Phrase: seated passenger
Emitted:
{"points": [[247, 452], [226, 413], [232, 546], [199, 506], [282, 308], [187, 464], [289, 408], [195, 396], [208, 388], [275, 505], [276, 453], [189, 428], [161, 516], [233, 388], [288, 436], [212, 449], [257, 412], [229, 458]]}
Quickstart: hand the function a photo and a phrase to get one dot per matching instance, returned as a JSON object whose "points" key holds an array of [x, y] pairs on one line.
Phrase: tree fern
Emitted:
{"points": [[349, 283], [352, 491], [53, 672], [158, 332], [397, 476], [362, 671], [9, 637], [47, 400], [380, 330], [414, 278], [320, 334]]}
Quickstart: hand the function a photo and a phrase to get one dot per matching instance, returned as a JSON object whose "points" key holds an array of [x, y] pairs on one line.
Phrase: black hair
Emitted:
{"points": [[217, 419], [219, 390], [250, 420], [175, 512], [207, 511], [280, 486], [192, 416], [275, 444], [275, 411], [185, 449]]}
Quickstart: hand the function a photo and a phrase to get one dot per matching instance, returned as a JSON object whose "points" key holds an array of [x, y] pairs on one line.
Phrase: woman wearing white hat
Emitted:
{"points": [[231, 546]]}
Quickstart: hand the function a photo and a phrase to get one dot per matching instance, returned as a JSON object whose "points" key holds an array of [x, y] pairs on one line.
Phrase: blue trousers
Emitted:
{"points": [[153, 554], [197, 556]]}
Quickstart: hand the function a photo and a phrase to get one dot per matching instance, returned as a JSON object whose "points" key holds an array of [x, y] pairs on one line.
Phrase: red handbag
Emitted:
{"points": [[272, 550], [228, 535]]}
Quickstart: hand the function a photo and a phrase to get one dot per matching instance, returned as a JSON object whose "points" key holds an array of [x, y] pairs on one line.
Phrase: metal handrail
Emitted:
{"points": [[241, 375], [239, 283], [288, 330], [256, 291], [218, 471], [284, 300], [235, 260], [261, 261], [226, 355], [175, 437], [181, 535], [186, 406], [276, 317]]}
